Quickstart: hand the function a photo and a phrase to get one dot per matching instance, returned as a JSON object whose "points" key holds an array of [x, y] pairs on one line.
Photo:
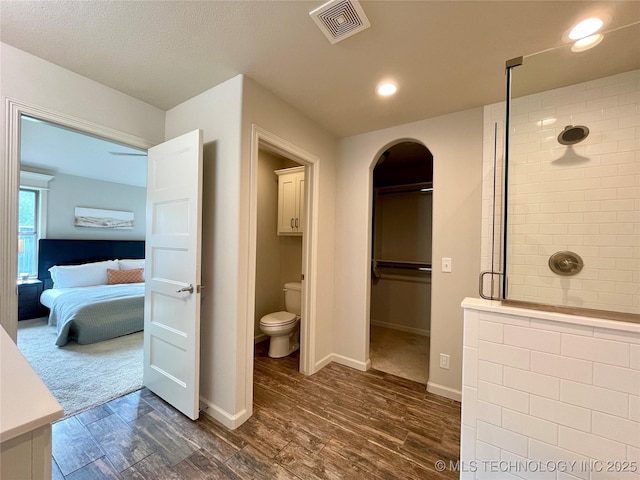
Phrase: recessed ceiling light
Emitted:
{"points": [[387, 89], [587, 43], [585, 28]]}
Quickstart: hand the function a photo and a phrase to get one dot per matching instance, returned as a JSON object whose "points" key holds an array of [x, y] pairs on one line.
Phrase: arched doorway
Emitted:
{"points": [[401, 235]]}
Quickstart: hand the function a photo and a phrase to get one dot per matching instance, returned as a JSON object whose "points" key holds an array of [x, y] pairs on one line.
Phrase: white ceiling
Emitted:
{"points": [[53, 149], [445, 56]]}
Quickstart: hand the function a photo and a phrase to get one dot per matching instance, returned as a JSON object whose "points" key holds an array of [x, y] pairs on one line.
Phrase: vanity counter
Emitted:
{"points": [[27, 409]]}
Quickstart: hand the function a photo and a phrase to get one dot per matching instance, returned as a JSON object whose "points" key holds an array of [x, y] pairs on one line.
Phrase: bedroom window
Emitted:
{"points": [[27, 231], [32, 217]]}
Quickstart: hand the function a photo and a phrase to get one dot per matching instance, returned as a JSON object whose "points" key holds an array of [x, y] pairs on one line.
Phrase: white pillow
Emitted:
{"points": [[85, 275], [130, 264]]}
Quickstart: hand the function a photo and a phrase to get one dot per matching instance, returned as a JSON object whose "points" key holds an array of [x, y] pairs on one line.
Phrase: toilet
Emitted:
{"points": [[283, 327]]}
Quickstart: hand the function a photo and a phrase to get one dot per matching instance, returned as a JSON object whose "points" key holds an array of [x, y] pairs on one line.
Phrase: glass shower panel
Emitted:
{"points": [[573, 177]]}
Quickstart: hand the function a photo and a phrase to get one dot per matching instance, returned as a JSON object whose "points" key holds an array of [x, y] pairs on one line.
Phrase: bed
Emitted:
{"points": [[93, 288]]}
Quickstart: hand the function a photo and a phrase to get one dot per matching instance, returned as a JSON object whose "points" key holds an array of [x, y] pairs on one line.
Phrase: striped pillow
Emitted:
{"points": [[133, 275]]}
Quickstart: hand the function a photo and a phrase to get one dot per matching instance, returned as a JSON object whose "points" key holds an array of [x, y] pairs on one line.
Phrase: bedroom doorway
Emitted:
{"points": [[38, 140]]}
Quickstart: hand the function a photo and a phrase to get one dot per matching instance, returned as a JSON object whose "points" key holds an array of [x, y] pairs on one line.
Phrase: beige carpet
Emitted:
{"points": [[400, 353], [82, 376]]}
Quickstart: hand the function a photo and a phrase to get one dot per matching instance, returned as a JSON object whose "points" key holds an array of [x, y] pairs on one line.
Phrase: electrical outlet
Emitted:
{"points": [[444, 361], [446, 265]]}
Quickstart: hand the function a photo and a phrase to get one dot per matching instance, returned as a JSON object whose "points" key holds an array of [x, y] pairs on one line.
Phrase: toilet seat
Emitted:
{"points": [[278, 319]]}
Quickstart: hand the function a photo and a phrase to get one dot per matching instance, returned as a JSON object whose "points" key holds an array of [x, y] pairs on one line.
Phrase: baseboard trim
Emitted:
{"points": [[350, 362], [260, 338], [230, 421], [322, 363], [443, 391], [402, 328]]}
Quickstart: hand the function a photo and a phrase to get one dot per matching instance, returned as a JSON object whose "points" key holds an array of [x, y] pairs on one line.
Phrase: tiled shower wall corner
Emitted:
{"points": [[584, 198], [544, 395]]}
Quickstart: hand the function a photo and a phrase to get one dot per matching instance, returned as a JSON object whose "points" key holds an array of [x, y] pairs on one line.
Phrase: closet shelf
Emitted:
{"points": [[405, 265], [422, 187]]}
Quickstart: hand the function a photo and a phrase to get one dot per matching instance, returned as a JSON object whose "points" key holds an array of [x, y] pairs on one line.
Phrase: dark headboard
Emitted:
{"points": [[75, 252]]}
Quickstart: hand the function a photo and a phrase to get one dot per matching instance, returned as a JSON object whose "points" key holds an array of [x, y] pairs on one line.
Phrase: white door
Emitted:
{"points": [[172, 272]]}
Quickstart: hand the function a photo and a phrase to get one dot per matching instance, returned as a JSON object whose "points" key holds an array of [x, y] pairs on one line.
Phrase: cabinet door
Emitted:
{"points": [[287, 204], [300, 196]]}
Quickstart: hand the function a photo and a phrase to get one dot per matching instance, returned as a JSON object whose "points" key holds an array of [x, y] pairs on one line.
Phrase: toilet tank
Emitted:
{"points": [[293, 297]]}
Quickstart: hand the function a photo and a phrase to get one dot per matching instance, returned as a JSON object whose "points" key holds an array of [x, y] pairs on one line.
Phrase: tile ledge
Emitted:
{"points": [[495, 306]]}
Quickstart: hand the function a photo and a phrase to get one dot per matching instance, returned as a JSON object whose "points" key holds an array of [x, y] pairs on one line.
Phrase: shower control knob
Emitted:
{"points": [[565, 263]]}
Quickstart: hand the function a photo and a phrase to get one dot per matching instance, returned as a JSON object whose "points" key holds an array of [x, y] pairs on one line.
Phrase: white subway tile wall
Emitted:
{"points": [[583, 198], [540, 392]]}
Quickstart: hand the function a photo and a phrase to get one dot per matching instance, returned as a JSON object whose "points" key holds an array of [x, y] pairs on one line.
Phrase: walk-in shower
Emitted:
{"points": [[562, 181]]}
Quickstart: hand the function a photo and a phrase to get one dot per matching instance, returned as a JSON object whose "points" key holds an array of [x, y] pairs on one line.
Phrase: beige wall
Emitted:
{"points": [[217, 112], [265, 110], [456, 143], [30, 80], [227, 114], [402, 301], [68, 191]]}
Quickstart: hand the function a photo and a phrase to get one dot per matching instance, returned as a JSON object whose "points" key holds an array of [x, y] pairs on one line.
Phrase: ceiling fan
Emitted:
{"points": [[126, 154]]}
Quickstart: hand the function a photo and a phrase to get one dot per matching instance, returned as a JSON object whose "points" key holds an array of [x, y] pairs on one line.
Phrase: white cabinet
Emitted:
{"points": [[28, 408], [290, 201]]}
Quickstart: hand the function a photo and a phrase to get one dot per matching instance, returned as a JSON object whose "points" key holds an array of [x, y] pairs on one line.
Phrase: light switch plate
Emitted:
{"points": [[444, 361], [446, 265]]}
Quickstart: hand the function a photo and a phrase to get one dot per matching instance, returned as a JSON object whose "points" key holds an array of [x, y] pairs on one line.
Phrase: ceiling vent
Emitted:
{"points": [[339, 19]]}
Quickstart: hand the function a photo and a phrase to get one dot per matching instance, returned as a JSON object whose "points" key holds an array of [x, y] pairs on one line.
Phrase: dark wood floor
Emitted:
{"points": [[338, 423]]}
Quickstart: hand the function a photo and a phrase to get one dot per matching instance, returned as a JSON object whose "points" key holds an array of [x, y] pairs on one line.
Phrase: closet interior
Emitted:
{"points": [[400, 318]]}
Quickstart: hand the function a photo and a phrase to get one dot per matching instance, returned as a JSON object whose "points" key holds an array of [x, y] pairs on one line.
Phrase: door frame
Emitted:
{"points": [[10, 180], [263, 139]]}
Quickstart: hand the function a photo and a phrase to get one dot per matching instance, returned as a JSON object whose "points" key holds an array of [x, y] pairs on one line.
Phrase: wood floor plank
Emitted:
{"points": [[200, 466], [266, 397], [221, 432], [130, 406], [304, 420], [56, 474], [166, 438], [337, 424], [308, 466], [122, 444], [73, 446], [93, 414], [263, 436], [100, 469], [201, 432], [250, 463], [159, 405], [154, 467]]}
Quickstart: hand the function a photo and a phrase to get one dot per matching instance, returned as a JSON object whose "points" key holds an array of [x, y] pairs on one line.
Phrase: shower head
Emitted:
{"points": [[573, 134]]}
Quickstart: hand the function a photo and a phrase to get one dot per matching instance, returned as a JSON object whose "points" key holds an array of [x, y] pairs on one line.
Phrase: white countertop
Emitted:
{"points": [[25, 401], [497, 307]]}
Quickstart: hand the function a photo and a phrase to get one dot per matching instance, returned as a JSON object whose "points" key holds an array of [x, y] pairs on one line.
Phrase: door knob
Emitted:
{"points": [[185, 289]]}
